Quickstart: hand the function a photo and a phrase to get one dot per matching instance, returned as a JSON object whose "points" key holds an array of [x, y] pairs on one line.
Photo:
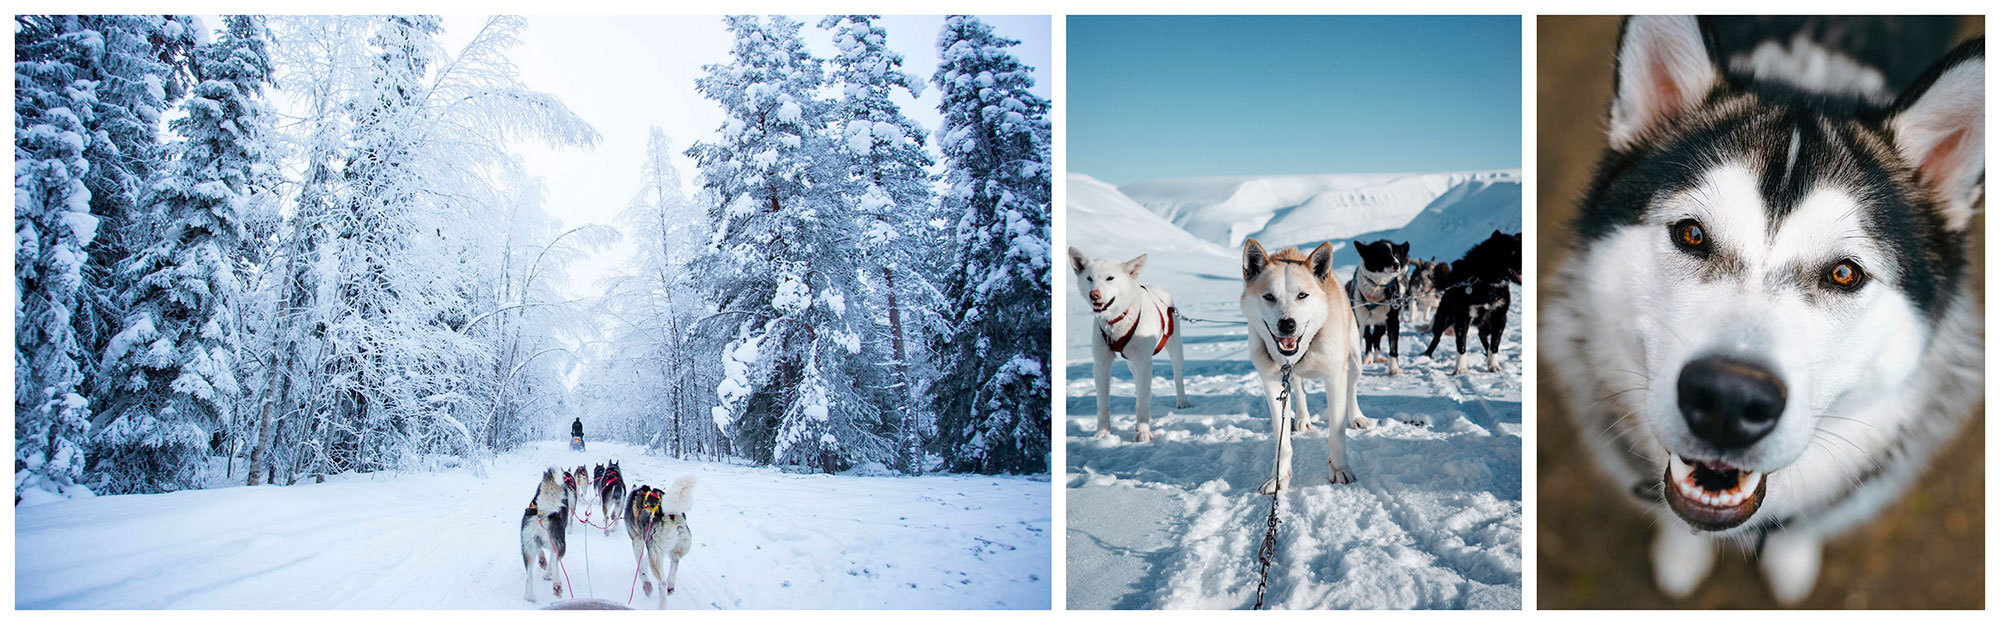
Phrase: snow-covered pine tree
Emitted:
{"points": [[140, 69], [993, 398], [891, 183], [53, 107], [782, 260], [171, 369]]}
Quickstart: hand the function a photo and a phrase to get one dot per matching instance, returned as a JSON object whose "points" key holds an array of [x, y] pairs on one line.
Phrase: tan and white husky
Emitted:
{"points": [[1134, 321], [1300, 317]]}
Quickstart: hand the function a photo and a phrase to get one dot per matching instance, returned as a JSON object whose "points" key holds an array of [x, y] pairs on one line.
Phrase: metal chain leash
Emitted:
{"points": [[1268, 551]]}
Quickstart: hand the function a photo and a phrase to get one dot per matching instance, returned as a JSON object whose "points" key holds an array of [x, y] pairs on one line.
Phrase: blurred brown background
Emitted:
{"points": [[1925, 551]]}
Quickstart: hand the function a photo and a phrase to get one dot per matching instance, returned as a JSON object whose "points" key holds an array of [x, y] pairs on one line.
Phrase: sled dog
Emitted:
{"points": [[1425, 277], [1476, 294], [542, 528], [572, 491], [1378, 292], [1300, 318], [657, 522], [1134, 321], [610, 491], [1766, 325]]}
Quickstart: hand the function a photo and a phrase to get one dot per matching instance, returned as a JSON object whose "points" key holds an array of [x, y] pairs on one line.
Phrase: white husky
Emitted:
{"points": [[1768, 324], [1299, 317], [1133, 321]]}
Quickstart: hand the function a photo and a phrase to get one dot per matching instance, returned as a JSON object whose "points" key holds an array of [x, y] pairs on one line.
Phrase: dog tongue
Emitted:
{"points": [[1288, 343]]}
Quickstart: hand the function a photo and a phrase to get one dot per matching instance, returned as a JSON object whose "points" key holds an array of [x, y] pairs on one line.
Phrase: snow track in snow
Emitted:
{"points": [[763, 539]]}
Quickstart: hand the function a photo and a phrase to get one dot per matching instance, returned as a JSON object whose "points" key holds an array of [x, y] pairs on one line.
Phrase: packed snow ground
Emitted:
{"points": [[1435, 518], [763, 539]]}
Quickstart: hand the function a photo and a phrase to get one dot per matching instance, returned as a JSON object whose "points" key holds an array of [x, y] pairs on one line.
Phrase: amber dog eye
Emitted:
{"points": [[1846, 275], [1689, 236]]}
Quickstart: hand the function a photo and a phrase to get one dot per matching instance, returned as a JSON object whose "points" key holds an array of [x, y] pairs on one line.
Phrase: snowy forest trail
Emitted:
{"points": [[763, 539], [1434, 520]]}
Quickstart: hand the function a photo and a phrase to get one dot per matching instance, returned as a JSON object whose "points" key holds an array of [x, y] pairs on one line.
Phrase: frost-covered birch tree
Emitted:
{"points": [[393, 310]]}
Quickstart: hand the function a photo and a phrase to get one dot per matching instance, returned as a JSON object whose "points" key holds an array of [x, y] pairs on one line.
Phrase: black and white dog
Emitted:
{"points": [[1476, 294], [1378, 294], [1768, 324], [656, 521], [1424, 278], [610, 491], [543, 527]]}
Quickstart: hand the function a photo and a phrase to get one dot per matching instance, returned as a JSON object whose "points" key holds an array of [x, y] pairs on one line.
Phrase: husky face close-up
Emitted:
{"points": [[1767, 325]]}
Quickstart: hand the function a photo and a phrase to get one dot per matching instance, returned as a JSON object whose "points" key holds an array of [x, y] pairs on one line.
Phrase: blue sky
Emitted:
{"points": [[1181, 96]]}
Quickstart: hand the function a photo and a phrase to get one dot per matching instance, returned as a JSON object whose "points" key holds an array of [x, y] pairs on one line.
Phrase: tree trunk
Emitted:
{"points": [[911, 464]]}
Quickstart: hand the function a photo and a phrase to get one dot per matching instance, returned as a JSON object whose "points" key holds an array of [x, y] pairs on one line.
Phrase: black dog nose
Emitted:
{"points": [[1730, 403], [1287, 326]]}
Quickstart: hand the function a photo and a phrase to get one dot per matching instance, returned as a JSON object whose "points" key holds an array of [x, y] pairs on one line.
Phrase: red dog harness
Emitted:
{"points": [[1118, 346]]}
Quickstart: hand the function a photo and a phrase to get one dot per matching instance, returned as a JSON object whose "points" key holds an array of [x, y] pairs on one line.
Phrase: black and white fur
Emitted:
{"points": [[1123, 309], [1424, 277], [657, 522], [1767, 325], [1379, 292], [1475, 294], [543, 528], [610, 492]]}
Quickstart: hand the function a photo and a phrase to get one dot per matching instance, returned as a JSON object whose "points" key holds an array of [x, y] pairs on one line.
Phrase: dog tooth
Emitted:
{"points": [[1681, 469]]}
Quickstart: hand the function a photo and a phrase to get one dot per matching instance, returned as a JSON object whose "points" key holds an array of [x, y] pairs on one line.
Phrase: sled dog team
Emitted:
{"points": [[1302, 317], [655, 520]]}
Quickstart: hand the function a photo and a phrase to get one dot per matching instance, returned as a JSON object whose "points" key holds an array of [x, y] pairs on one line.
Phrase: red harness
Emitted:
{"points": [[1118, 346]]}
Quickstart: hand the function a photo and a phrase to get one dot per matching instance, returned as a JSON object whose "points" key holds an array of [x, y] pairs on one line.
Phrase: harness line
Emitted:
{"points": [[586, 560], [633, 592], [559, 562]]}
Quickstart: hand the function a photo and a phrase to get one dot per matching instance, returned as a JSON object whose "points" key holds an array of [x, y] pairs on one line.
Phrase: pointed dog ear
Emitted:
{"points": [[1077, 260], [1939, 127], [1133, 266], [1254, 259], [1666, 65], [1403, 249], [1321, 260]]}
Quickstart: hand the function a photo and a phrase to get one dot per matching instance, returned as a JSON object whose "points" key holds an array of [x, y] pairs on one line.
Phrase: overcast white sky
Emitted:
{"points": [[627, 74]]}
